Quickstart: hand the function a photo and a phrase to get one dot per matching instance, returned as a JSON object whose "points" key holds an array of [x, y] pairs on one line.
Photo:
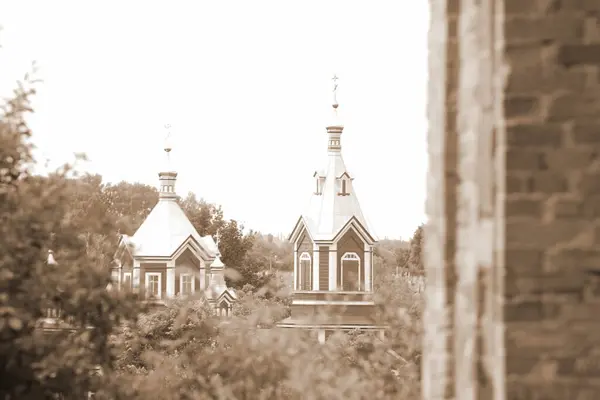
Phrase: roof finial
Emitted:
{"points": [[335, 85], [218, 238], [168, 145], [50, 260]]}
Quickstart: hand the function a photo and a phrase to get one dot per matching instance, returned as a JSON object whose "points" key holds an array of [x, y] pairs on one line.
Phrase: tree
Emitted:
{"points": [[206, 218], [415, 259], [36, 216], [130, 203], [234, 246]]}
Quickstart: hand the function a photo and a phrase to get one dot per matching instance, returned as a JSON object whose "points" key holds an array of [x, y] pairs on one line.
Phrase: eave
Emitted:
{"points": [[298, 228], [358, 227], [190, 242]]}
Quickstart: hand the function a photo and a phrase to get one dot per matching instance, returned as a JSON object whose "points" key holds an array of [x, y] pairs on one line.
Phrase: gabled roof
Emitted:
{"points": [[165, 229], [328, 212]]}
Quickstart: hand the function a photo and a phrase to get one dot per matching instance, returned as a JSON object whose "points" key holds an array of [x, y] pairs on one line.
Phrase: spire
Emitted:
{"points": [[50, 260], [168, 177], [335, 129]]}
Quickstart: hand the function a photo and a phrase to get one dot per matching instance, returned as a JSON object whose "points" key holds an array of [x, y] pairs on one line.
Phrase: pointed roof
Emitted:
{"points": [[328, 212], [165, 229]]}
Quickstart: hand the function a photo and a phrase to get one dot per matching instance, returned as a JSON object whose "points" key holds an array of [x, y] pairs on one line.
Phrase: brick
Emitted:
{"points": [[579, 54], [530, 311], [597, 232], [535, 135], [591, 29], [520, 7], [574, 106], [524, 260], [592, 286], [533, 70], [590, 184], [517, 364], [587, 133], [524, 208], [591, 206], [538, 235], [514, 184], [576, 5], [568, 159], [546, 182], [587, 366], [575, 260], [520, 29], [524, 160], [555, 284], [582, 312], [567, 208], [536, 390], [521, 106]]}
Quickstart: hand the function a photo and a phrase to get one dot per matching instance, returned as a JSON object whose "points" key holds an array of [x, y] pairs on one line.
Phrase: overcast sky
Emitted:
{"points": [[246, 86]]}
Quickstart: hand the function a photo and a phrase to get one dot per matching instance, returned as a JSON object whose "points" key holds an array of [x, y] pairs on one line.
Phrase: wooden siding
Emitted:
{"points": [[186, 263], [323, 267], [351, 243], [304, 244], [333, 296], [333, 310]]}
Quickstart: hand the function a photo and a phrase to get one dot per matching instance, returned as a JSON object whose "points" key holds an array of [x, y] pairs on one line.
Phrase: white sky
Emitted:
{"points": [[247, 88]]}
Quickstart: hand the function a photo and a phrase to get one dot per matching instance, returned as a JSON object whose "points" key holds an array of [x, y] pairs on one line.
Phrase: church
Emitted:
{"points": [[333, 252], [167, 258]]}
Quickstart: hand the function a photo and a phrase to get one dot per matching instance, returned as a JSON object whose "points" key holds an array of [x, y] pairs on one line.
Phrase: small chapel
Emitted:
{"points": [[333, 251], [167, 258]]}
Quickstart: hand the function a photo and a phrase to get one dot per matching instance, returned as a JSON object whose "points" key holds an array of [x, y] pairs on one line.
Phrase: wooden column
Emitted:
{"points": [[333, 258], [316, 260]]}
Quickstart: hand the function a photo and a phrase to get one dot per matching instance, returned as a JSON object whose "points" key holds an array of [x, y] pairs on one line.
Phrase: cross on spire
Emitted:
{"points": [[168, 146], [335, 86]]}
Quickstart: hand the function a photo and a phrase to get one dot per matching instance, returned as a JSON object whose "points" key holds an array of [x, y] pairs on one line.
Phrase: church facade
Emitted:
{"points": [[333, 252], [167, 258]]}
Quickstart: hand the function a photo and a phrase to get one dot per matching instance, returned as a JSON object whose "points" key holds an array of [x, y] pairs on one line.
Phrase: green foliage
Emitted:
{"points": [[36, 216], [415, 258], [180, 351], [206, 218], [244, 357]]}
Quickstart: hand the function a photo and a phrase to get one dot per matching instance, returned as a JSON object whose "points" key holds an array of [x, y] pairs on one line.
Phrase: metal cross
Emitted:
{"points": [[168, 146], [334, 79]]}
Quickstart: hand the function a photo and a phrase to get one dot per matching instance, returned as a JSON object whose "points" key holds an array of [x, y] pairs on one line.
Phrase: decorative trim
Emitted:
{"points": [[353, 223]]}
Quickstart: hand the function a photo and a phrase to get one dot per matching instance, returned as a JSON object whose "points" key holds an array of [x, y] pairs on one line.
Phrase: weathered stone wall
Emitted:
{"points": [[514, 200]]}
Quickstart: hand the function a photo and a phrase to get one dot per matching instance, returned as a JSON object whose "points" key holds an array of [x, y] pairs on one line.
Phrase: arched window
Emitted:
{"points": [[305, 272], [224, 308], [350, 273]]}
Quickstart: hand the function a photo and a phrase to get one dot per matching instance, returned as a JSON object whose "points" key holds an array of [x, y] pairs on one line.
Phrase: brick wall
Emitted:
{"points": [[552, 111], [514, 200]]}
